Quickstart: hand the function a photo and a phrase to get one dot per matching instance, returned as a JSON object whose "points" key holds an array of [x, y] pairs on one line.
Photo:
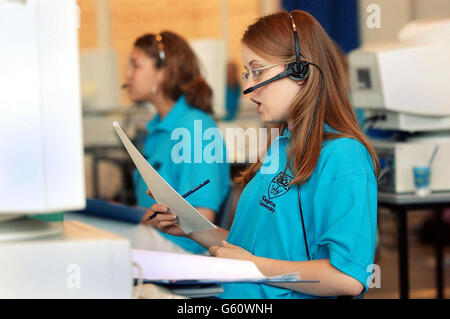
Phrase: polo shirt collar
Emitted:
{"points": [[287, 133], [173, 118]]}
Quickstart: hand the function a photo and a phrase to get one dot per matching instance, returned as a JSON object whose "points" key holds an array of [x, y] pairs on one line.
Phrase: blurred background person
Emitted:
{"points": [[164, 71]]}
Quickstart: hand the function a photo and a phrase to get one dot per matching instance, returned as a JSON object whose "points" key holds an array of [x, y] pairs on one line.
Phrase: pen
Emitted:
{"points": [[184, 196]]}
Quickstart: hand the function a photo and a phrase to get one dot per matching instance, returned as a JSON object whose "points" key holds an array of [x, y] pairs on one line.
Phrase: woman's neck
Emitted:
{"points": [[163, 106]]}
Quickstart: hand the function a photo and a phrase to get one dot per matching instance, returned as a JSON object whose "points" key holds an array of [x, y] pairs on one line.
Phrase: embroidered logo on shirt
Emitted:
{"points": [[279, 185], [267, 204]]}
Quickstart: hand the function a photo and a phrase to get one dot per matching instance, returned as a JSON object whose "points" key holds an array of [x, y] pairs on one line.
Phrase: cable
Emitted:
{"points": [[140, 281], [372, 120], [303, 224], [303, 153], [315, 110]]}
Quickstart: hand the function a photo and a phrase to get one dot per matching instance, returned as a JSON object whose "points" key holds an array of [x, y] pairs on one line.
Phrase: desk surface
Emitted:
{"points": [[411, 199], [138, 234]]}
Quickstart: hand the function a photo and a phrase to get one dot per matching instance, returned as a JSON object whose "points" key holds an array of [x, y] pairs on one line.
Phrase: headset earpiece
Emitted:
{"points": [[299, 70], [161, 53]]}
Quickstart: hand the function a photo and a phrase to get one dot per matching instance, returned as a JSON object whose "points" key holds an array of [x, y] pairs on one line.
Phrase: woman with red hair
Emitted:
{"points": [[317, 213]]}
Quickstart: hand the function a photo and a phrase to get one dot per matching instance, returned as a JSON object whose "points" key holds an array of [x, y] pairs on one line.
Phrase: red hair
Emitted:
{"points": [[271, 38]]}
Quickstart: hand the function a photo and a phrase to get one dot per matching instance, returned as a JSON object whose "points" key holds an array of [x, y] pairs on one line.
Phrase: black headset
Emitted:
{"points": [[297, 71], [160, 62]]}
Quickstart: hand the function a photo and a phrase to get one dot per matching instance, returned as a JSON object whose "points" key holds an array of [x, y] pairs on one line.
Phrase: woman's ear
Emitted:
{"points": [[161, 75], [300, 82]]}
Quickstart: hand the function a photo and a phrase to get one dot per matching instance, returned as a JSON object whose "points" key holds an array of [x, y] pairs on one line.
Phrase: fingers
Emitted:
{"points": [[164, 220], [166, 217], [227, 244], [218, 251], [213, 250], [165, 224], [159, 208], [162, 211]]}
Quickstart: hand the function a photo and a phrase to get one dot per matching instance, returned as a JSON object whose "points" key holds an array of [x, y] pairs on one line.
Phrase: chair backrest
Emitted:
{"points": [[223, 218]]}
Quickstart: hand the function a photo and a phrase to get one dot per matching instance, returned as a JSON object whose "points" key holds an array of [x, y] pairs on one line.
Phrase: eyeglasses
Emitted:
{"points": [[255, 73]]}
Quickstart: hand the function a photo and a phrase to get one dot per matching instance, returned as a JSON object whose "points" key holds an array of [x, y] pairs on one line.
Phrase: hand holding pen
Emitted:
{"points": [[184, 196]]}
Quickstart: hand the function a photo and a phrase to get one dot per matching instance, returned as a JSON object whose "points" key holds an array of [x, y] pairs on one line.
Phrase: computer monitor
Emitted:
{"points": [[41, 155]]}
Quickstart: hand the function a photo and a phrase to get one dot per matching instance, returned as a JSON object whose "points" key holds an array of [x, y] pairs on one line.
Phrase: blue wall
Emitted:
{"points": [[338, 17]]}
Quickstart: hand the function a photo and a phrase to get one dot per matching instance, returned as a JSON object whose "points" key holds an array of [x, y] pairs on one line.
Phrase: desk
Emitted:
{"points": [[401, 204]]}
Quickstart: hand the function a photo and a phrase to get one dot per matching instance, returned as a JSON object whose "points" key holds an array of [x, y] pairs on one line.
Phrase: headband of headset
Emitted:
{"points": [[297, 71], [161, 53]]}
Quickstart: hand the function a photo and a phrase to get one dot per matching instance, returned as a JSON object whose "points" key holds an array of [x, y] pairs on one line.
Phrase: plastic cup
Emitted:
{"points": [[422, 178]]}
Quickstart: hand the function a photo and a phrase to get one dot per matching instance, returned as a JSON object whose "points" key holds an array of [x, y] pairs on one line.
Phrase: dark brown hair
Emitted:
{"points": [[183, 71], [271, 37]]}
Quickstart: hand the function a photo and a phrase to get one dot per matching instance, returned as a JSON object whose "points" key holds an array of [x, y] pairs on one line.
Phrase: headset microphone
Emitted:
{"points": [[297, 71], [279, 76]]}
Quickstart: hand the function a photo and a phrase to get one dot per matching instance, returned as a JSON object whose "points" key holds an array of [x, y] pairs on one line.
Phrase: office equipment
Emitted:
{"points": [[212, 56], [171, 268], [81, 262], [403, 87], [41, 163], [189, 219], [117, 211], [398, 158], [407, 81], [99, 76]]}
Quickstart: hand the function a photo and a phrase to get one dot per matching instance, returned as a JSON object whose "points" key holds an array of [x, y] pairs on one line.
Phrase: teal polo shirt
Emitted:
{"points": [[339, 203], [185, 168]]}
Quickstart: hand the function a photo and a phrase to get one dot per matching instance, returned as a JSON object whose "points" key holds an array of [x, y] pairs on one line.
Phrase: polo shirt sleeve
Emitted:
{"points": [[345, 212]]}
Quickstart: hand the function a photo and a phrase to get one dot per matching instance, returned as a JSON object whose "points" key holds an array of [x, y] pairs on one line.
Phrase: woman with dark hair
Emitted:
{"points": [[317, 213], [164, 71]]}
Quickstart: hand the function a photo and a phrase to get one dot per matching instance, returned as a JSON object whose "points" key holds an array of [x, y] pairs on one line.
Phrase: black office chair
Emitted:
{"points": [[223, 217]]}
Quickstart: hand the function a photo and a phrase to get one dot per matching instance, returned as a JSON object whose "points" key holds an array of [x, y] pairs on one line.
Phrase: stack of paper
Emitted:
{"points": [[164, 267]]}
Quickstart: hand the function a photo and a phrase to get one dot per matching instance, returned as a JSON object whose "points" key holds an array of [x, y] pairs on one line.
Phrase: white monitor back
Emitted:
{"points": [[100, 86], [41, 155], [212, 58], [409, 76]]}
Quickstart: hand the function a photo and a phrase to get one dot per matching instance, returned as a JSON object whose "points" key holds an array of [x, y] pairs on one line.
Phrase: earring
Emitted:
{"points": [[154, 89]]}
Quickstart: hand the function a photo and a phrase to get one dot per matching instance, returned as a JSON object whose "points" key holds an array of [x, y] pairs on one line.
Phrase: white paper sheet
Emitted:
{"points": [[189, 219], [167, 267]]}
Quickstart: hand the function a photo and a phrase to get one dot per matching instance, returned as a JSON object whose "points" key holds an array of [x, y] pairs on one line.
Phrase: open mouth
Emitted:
{"points": [[258, 106]]}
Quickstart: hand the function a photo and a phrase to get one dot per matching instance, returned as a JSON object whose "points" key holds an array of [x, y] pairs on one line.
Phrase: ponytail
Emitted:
{"points": [[199, 95]]}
